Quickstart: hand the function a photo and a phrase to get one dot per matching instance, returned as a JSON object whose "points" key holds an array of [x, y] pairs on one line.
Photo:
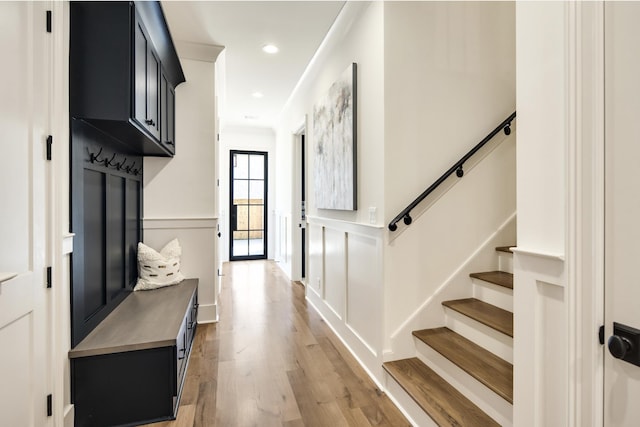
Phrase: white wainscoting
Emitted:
{"points": [[541, 332], [199, 241], [346, 285]]}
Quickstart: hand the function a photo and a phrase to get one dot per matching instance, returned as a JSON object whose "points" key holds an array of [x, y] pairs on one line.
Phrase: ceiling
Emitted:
{"points": [[297, 28]]}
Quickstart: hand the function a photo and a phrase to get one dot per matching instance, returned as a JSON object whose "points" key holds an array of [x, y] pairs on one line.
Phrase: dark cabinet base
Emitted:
{"points": [[131, 369], [124, 388]]}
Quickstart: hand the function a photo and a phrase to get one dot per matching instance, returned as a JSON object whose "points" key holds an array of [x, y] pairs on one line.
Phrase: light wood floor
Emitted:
{"points": [[272, 361]]}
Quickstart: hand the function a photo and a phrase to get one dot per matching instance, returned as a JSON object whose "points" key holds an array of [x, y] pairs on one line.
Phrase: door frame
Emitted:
{"points": [[585, 213], [298, 251], [265, 218]]}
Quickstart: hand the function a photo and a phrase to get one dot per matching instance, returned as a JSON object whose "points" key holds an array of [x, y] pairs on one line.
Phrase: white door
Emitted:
{"points": [[622, 206], [24, 102]]}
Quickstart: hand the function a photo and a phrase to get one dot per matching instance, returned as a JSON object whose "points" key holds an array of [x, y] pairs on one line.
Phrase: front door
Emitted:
{"points": [[24, 101], [622, 209], [248, 205]]}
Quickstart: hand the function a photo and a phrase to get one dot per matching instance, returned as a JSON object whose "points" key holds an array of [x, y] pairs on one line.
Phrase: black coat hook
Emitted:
{"points": [[121, 164], [94, 157], [110, 161]]}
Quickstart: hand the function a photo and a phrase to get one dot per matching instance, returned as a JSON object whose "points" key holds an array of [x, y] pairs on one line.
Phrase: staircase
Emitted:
{"points": [[463, 373]]}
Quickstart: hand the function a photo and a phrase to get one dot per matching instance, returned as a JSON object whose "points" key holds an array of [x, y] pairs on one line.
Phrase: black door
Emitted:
{"points": [[248, 205]]}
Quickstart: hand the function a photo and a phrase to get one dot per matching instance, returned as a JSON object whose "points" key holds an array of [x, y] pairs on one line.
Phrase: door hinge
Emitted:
{"points": [[601, 335], [49, 405], [218, 136], [49, 277], [49, 21], [49, 144]]}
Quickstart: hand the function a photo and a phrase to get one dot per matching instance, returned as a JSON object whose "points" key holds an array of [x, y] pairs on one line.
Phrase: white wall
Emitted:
{"points": [[180, 192], [449, 81], [345, 251], [251, 139], [356, 36]]}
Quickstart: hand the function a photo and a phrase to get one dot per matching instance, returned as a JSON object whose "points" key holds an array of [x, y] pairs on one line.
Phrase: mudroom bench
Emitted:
{"points": [[130, 369]]}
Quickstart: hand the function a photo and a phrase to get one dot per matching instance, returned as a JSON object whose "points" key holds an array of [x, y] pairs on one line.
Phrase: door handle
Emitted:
{"points": [[624, 344]]}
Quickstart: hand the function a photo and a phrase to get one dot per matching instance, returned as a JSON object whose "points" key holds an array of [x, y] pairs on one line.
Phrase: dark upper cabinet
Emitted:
{"points": [[168, 118], [146, 82], [121, 58]]}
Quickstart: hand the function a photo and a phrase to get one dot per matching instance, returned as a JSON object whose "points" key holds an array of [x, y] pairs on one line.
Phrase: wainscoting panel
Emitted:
{"points": [[364, 288], [335, 270], [315, 276], [199, 241], [541, 372], [345, 285]]}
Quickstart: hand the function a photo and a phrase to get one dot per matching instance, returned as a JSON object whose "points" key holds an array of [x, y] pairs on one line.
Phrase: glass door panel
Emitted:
{"points": [[248, 205]]}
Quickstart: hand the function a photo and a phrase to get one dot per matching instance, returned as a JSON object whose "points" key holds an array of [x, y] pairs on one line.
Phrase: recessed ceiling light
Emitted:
{"points": [[269, 48], [257, 94]]}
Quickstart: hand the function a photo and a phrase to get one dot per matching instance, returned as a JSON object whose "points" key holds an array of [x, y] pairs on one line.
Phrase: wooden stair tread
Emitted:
{"points": [[486, 367], [487, 314], [505, 249], [439, 399], [499, 278]]}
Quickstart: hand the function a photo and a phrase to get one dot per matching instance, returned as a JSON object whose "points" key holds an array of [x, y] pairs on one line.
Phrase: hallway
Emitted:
{"points": [[272, 361]]}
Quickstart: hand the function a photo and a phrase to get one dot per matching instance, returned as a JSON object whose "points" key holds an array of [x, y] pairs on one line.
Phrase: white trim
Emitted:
{"points": [[572, 220], [538, 254], [365, 344], [4, 277], [179, 223], [198, 51], [586, 403], [547, 269], [361, 229], [67, 243], [207, 313], [69, 416]]}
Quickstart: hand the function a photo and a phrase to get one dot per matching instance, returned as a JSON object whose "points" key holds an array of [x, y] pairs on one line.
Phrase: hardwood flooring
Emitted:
{"points": [[272, 361]]}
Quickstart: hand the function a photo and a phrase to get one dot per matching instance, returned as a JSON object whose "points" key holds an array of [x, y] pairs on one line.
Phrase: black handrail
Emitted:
{"points": [[457, 168]]}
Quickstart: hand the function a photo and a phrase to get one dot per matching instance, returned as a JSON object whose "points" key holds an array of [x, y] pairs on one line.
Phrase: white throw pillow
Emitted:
{"points": [[156, 270]]}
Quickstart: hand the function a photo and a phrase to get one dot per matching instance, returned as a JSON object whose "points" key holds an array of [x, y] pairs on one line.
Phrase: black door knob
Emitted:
{"points": [[619, 346]]}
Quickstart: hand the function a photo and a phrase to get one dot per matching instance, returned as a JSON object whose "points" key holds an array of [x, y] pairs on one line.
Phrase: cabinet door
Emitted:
{"points": [[141, 42], [167, 114], [146, 94], [171, 118], [153, 92], [163, 108]]}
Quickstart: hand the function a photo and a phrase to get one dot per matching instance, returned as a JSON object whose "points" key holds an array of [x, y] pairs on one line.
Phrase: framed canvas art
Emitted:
{"points": [[334, 136]]}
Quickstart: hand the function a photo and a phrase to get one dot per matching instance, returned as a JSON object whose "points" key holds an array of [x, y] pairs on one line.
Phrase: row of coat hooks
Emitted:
{"points": [[117, 165]]}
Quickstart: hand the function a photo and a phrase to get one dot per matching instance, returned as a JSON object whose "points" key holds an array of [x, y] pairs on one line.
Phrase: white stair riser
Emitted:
{"points": [[488, 338], [409, 407], [493, 294], [484, 398], [505, 262]]}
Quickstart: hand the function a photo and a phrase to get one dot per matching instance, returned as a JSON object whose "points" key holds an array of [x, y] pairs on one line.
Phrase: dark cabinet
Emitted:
{"points": [[146, 98], [121, 56], [168, 116], [131, 369]]}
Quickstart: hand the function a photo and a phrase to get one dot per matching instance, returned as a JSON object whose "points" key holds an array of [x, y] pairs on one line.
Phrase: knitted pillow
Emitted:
{"points": [[156, 270]]}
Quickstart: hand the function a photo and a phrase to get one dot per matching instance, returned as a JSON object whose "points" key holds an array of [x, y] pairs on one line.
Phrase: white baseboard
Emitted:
{"points": [[207, 313], [69, 416]]}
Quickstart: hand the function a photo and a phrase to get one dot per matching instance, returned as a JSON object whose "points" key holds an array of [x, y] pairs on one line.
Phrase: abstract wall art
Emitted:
{"points": [[334, 142]]}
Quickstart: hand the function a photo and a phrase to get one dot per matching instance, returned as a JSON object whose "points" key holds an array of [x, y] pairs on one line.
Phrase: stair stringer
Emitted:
{"points": [[430, 313]]}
